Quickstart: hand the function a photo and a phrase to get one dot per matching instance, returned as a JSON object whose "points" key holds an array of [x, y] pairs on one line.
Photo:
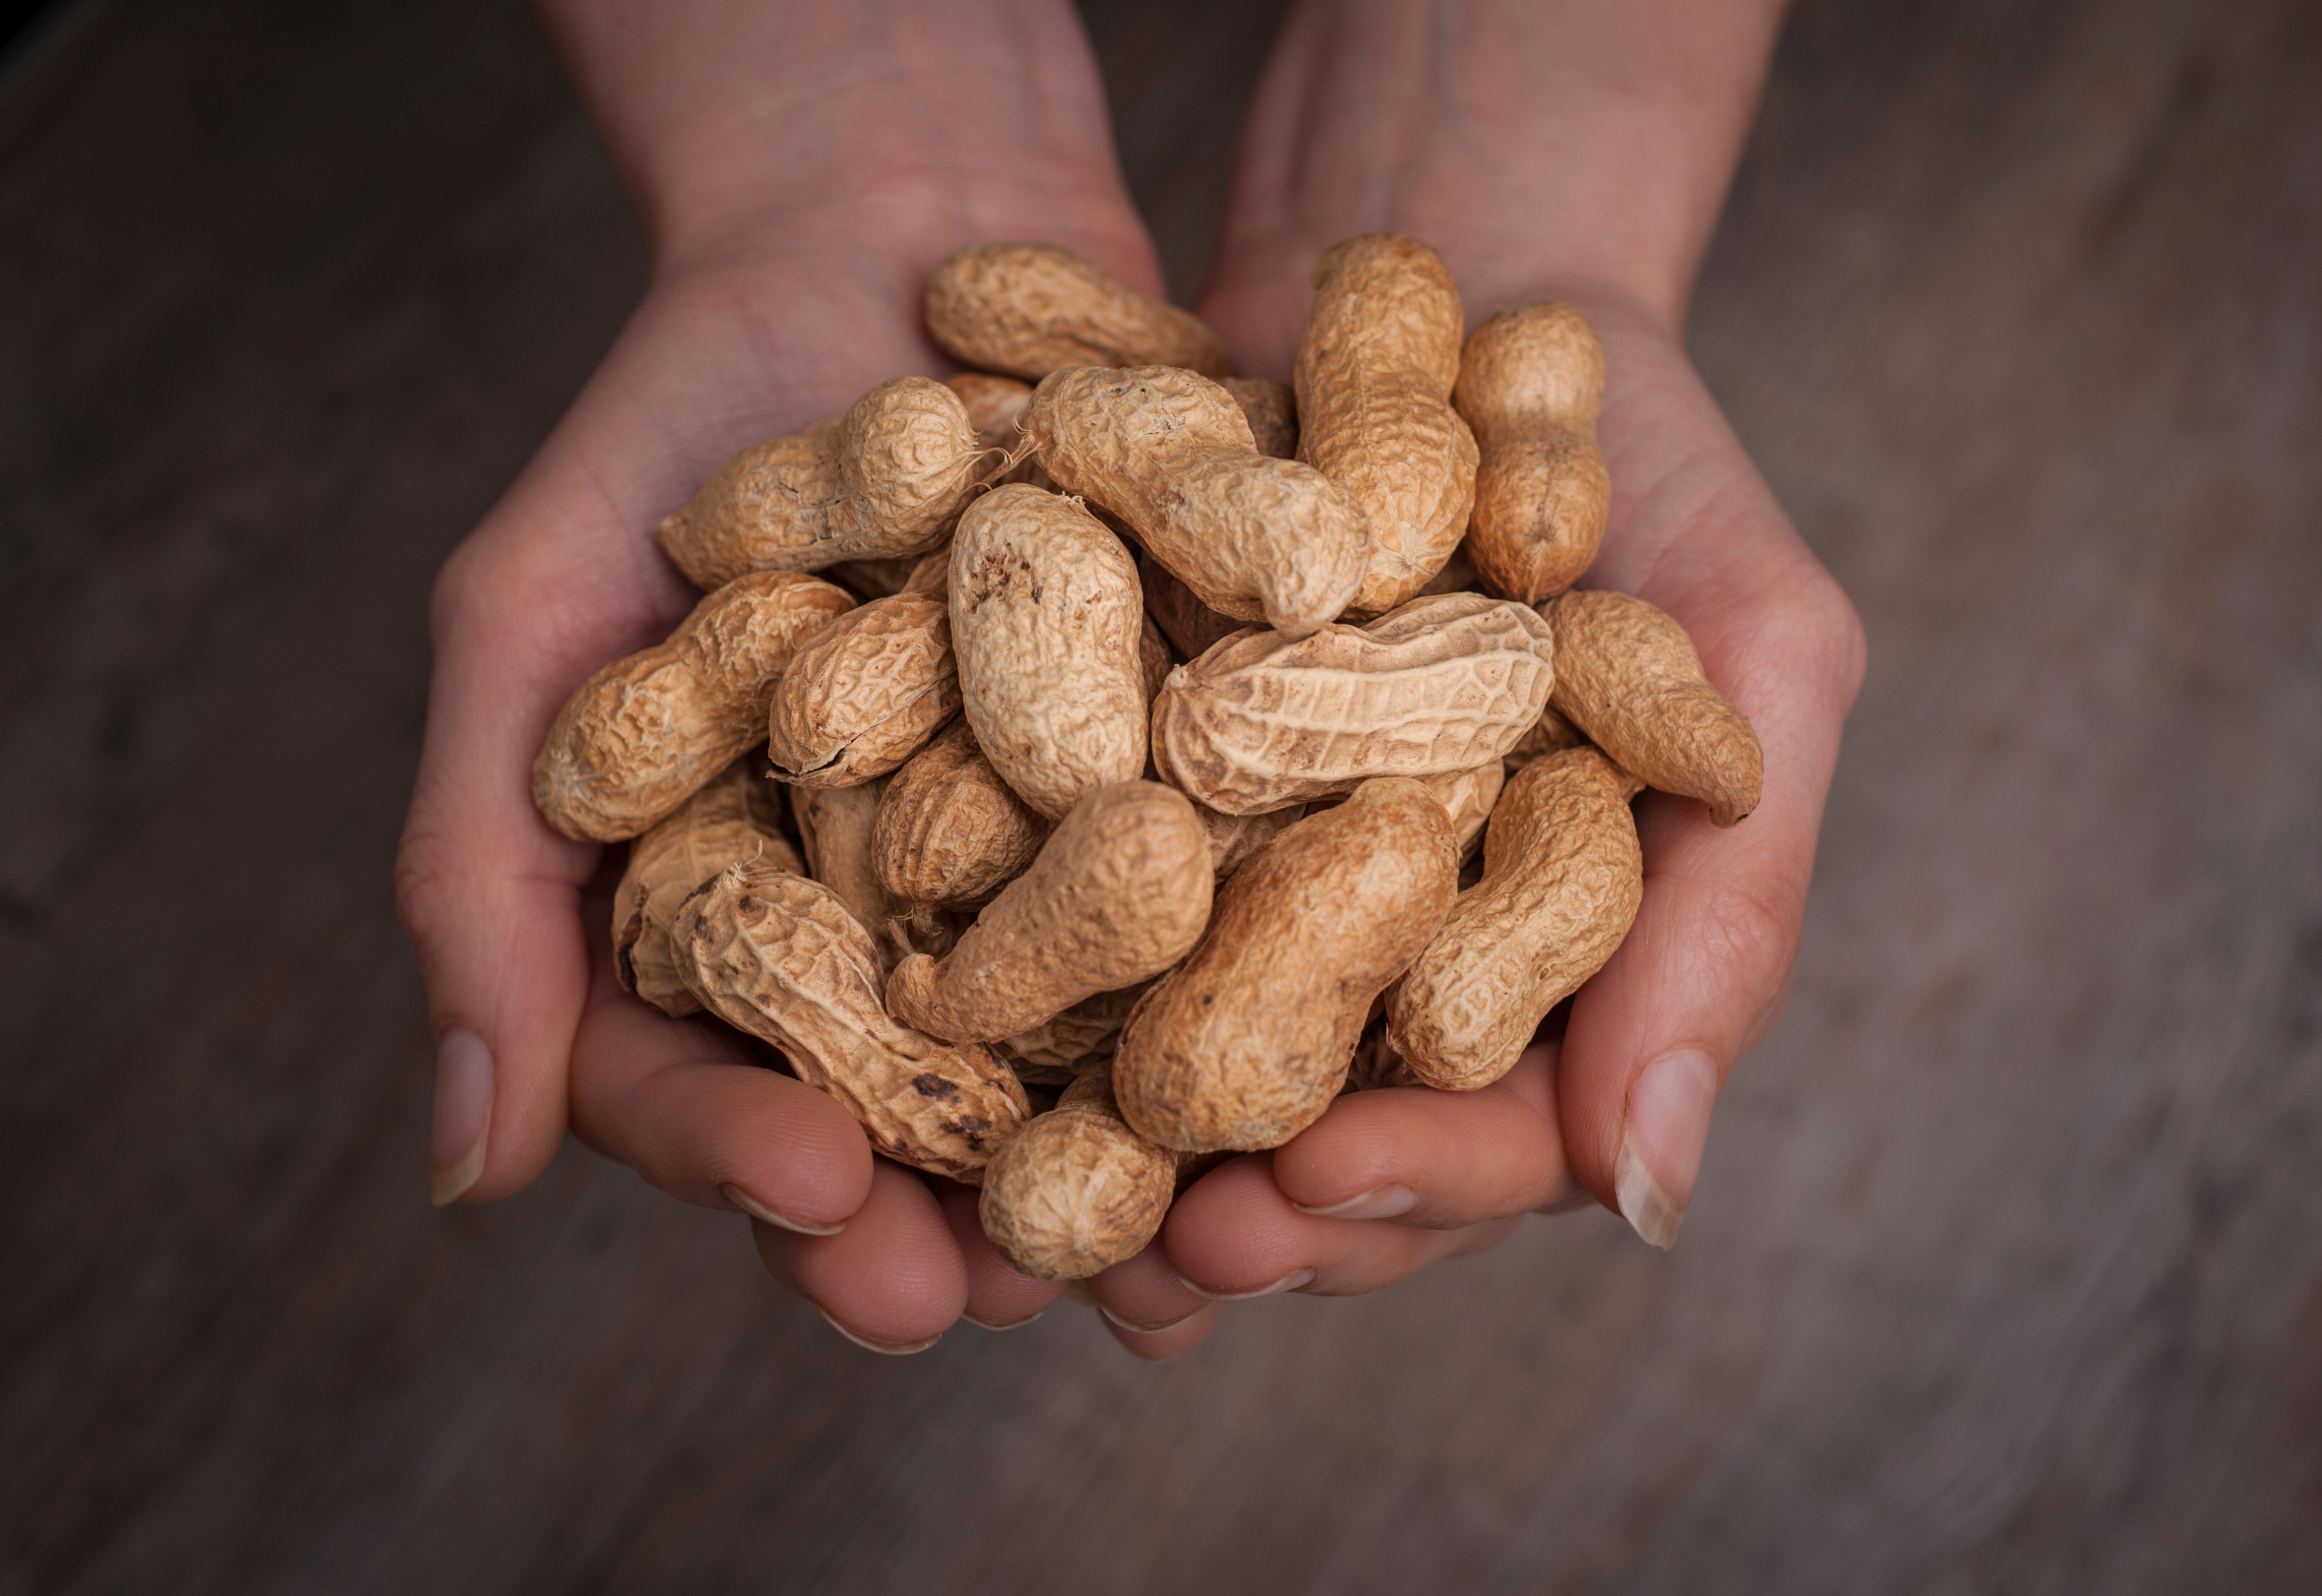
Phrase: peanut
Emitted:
{"points": [[884, 578], [1247, 1042], [1030, 309], [1563, 878], [1117, 894], [1046, 617], [863, 696], [886, 479], [1438, 686], [1168, 453], [1234, 839], [645, 733], [1375, 372], [779, 957], [994, 404], [1076, 1190], [1531, 382], [732, 820], [949, 830], [1271, 409], [835, 827], [1629, 677]]}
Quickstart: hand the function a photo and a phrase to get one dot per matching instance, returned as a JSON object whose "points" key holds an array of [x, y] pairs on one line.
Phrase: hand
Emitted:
{"points": [[801, 170], [1571, 150]]}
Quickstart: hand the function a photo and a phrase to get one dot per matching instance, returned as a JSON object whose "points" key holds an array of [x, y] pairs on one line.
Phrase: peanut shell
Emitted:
{"points": [[735, 819], [834, 829], [1046, 621], [1076, 1190], [1531, 382], [1438, 686], [1627, 677], [1168, 453], [1119, 894], [1467, 797], [949, 830], [1080, 1038], [1375, 366], [1563, 878], [1550, 734], [645, 733], [863, 696], [884, 480], [1245, 1043], [1191, 626], [777, 955], [1030, 309]]}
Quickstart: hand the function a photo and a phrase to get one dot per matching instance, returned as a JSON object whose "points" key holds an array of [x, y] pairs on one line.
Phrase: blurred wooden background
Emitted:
{"points": [[2005, 1273]]}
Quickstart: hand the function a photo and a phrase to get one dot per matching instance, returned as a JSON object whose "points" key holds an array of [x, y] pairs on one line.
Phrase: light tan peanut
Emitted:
{"points": [[645, 733], [1467, 797], [863, 696], [1154, 661], [1076, 1190], [886, 479], [1030, 309], [1247, 1042], [1233, 838], [1188, 622], [735, 819], [1636, 688], [1549, 734], [1046, 616], [949, 830], [779, 957], [1081, 1038], [1168, 453], [1271, 409], [1117, 894], [1459, 576], [1563, 878], [1375, 366], [834, 829], [1531, 382], [1441, 685]]}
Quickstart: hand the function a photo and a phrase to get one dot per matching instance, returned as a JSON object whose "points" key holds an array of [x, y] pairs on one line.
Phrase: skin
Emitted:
{"points": [[1575, 150]]}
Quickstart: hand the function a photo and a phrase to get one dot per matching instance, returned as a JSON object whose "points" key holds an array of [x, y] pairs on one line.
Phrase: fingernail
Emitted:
{"points": [[1379, 1202], [462, 1115], [759, 1211], [1288, 1282], [1012, 1324], [891, 1349], [1661, 1143], [1148, 1330]]}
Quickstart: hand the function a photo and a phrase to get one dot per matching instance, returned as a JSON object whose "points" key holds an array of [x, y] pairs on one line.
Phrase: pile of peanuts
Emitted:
{"points": [[1142, 737]]}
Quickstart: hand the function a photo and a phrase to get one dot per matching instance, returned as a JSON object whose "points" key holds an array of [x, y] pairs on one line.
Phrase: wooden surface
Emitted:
{"points": [[2005, 1272]]}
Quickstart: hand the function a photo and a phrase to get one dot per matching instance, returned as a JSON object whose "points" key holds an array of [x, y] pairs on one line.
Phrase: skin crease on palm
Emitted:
{"points": [[799, 169]]}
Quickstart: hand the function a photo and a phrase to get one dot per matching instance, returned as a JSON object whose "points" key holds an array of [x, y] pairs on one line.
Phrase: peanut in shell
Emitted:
{"points": [[885, 480], [864, 695], [1375, 366], [779, 957], [1247, 1042], [1046, 623], [949, 830], [1271, 409], [735, 819], [1029, 309], [1438, 686], [1076, 1190], [1627, 676], [1168, 453], [1117, 894], [1531, 382], [646, 732], [1563, 878]]}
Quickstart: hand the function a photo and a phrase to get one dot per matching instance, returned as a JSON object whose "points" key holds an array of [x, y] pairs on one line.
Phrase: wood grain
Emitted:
{"points": [[2005, 1272]]}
